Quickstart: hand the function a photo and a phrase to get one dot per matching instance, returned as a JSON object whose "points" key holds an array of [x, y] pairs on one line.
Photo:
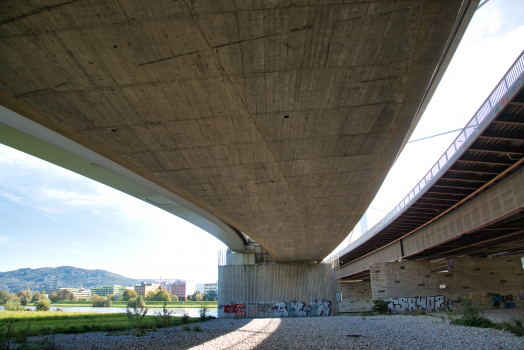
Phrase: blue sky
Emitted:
{"points": [[52, 217]]}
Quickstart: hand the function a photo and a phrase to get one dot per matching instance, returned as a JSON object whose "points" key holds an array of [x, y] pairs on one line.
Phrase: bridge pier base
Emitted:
{"points": [[276, 290], [495, 283]]}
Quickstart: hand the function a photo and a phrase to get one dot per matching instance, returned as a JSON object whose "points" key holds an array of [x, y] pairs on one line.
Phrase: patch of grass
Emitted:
{"points": [[475, 321], [515, 325], [471, 316], [196, 328], [186, 328], [22, 324]]}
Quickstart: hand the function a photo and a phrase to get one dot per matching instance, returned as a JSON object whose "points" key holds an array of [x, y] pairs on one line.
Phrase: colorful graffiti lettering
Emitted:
{"points": [[300, 309], [279, 308], [233, 308], [408, 305], [507, 300]]}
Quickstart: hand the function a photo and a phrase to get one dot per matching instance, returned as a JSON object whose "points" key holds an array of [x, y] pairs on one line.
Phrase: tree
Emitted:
{"points": [[111, 296], [42, 305], [4, 297], [196, 296], [13, 305], [65, 294], [54, 297], [158, 295], [100, 301], [212, 295], [25, 296], [174, 297], [137, 302], [129, 294]]}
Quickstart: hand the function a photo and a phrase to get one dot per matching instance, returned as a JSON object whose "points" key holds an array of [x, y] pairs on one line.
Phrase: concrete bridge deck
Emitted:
{"points": [[279, 119]]}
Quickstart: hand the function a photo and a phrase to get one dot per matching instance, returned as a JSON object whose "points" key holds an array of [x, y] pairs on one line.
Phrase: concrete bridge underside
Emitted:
{"points": [[277, 120]]}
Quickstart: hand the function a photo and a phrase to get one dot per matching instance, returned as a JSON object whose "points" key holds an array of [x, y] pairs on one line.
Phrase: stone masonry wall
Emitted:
{"points": [[495, 282], [356, 296]]}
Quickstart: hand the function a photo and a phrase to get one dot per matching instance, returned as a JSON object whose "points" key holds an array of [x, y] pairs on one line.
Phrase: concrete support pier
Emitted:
{"points": [[276, 290], [496, 283]]}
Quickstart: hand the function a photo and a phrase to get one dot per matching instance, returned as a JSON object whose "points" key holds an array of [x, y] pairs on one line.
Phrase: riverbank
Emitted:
{"points": [[123, 304], [17, 325]]}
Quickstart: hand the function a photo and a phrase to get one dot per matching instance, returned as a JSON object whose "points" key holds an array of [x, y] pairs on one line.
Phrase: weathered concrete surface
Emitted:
{"points": [[276, 290], [194, 97]]}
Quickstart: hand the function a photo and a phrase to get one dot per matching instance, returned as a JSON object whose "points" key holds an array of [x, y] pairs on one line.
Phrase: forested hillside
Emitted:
{"points": [[73, 277]]}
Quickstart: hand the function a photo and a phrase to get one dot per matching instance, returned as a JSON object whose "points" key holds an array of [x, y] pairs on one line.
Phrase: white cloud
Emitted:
{"points": [[3, 239], [12, 197]]}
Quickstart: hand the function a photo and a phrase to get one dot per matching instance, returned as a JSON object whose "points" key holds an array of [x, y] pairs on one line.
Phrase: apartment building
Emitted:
{"points": [[51, 284], [105, 290], [78, 292], [183, 288], [144, 287]]}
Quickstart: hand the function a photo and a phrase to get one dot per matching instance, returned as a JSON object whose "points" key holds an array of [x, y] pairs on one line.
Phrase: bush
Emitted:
{"points": [[100, 301], [164, 318], [136, 302], [42, 305], [515, 325], [381, 306], [471, 316], [13, 305]]}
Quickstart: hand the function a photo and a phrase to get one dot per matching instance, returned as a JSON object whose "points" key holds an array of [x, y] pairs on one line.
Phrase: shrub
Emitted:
{"points": [[136, 302], [186, 328], [13, 305], [471, 316], [42, 305], [203, 311], [515, 325], [100, 301], [381, 306], [185, 317], [135, 319], [196, 328], [164, 318]]}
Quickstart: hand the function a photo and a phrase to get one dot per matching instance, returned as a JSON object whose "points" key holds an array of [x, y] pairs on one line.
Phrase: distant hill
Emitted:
{"points": [[13, 281]]}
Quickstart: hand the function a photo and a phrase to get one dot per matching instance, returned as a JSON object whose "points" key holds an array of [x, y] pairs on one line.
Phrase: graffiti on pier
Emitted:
{"points": [[256, 308], [232, 308], [300, 309], [408, 305], [279, 309], [507, 300]]}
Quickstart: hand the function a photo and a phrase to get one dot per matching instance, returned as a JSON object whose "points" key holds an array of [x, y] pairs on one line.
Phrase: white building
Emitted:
{"points": [[204, 288], [210, 287], [79, 293], [51, 284]]}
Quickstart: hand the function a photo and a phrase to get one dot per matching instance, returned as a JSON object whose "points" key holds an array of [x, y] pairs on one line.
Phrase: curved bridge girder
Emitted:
{"points": [[29, 137]]}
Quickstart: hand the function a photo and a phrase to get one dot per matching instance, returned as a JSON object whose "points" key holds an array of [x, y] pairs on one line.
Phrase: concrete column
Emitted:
{"points": [[276, 290]]}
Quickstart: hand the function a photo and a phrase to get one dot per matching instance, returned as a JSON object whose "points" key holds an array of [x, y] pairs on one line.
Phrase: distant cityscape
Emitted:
{"points": [[181, 288]]}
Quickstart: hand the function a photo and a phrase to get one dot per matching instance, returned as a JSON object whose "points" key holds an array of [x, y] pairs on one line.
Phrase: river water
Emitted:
{"points": [[193, 312]]}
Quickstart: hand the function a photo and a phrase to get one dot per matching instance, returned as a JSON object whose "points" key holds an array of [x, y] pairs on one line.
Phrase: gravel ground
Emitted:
{"points": [[344, 332]]}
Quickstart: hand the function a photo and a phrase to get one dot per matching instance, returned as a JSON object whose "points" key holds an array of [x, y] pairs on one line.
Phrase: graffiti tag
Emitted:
{"points": [[408, 305]]}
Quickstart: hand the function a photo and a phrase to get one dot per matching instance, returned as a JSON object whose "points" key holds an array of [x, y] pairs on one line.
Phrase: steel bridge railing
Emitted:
{"points": [[444, 162]]}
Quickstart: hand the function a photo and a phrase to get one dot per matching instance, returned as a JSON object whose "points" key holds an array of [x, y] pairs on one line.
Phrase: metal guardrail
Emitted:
{"points": [[444, 162]]}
